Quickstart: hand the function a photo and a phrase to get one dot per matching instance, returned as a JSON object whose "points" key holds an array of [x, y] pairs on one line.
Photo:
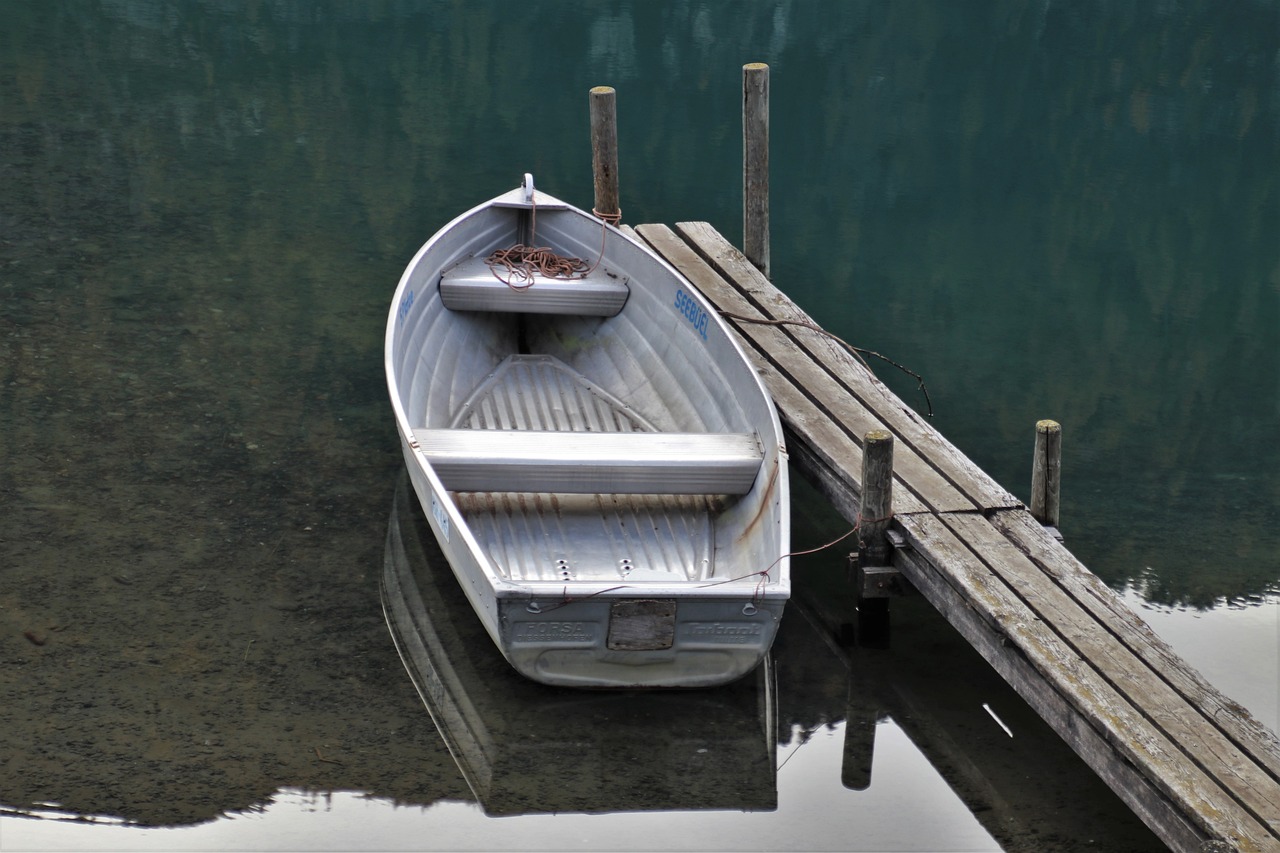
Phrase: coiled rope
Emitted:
{"points": [[519, 266]]}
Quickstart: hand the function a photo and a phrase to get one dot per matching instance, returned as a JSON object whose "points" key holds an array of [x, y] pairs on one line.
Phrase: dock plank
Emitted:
{"points": [[909, 427], [1195, 766], [1138, 761], [1102, 602], [810, 403], [1200, 742]]}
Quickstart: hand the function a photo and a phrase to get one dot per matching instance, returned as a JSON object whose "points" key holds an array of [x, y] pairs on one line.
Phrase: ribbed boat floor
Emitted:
{"points": [[562, 537]]}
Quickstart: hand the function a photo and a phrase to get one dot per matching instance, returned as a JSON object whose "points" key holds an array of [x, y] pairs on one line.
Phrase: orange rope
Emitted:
{"points": [[521, 263], [611, 218]]}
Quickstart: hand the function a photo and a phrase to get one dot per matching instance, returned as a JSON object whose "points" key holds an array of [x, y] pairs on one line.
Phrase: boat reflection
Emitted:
{"points": [[527, 748], [524, 748]]}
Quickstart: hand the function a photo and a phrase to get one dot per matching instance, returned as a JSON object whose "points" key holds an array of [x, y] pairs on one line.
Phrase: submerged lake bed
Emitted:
{"points": [[1046, 211]]}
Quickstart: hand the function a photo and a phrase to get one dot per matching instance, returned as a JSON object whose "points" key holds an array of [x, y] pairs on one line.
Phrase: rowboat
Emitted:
{"points": [[599, 462], [651, 750]]}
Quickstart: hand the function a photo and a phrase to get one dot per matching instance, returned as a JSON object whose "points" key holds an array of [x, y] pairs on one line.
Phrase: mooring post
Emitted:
{"points": [[876, 509], [873, 576], [604, 152], [755, 164], [1046, 472]]}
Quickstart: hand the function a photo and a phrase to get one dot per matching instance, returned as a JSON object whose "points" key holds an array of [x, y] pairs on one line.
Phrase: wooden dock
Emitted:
{"points": [[1195, 766]]}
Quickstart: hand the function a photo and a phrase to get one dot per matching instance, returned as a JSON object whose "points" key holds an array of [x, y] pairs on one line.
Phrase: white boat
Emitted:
{"points": [[601, 465]]}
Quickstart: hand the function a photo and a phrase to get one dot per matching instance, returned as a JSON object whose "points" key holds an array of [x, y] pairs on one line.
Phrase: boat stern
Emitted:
{"points": [[637, 641]]}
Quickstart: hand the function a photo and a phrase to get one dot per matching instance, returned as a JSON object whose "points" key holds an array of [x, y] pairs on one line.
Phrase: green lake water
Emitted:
{"points": [[1047, 210]]}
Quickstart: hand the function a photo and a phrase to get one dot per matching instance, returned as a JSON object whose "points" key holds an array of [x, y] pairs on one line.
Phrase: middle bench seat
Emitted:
{"points": [[492, 460]]}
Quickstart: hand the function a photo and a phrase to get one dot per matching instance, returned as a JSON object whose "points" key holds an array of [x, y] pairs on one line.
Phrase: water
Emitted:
{"points": [[1062, 211]]}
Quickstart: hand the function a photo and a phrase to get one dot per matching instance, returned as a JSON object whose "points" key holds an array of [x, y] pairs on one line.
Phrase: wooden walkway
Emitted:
{"points": [[1195, 766]]}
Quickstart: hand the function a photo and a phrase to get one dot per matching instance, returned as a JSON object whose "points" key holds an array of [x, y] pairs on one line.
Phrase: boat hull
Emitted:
{"points": [[605, 588]]}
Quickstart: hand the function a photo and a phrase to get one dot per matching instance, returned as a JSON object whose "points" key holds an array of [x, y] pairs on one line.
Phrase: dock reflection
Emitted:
{"points": [[1023, 783], [319, 703], [527, 748]]}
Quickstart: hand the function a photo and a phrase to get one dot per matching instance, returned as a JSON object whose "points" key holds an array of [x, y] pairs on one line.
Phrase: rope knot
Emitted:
{"points": [[611, 218]]}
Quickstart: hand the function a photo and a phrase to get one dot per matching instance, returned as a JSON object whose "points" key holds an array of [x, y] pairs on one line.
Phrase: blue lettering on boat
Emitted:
{"points": [[441, 517], [692, 312], [405, 304]]}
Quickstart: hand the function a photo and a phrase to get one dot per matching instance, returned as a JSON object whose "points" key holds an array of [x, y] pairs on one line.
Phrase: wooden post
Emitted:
{"points": [[604, 152], [755, 164], [1046, 471], [876, 508], [874, 579]]}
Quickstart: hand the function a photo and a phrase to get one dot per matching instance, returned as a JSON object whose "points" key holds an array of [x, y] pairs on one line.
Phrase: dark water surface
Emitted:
{"points": [[1048, 210]]}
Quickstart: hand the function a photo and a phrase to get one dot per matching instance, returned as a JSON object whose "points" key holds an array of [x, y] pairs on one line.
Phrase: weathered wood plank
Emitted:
{"points": [[808, 401], [1129, 628], [1201, 743], [1137, 761], [827, 479], [910, 428], [1191, 764]]}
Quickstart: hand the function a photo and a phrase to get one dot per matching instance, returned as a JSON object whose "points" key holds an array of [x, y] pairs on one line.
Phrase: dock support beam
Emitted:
{"points": [[1046, 472], [604, 153], [755, 164]]}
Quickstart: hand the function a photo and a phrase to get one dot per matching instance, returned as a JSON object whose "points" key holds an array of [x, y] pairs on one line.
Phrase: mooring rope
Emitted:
{"points": [[611, 218], [763, 575], [857, 352]]}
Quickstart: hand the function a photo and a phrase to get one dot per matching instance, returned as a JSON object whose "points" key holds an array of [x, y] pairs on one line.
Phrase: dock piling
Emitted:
{"points": [[604, 153], [877, 497], [755, 164], [1046, 473], [874, 579]]}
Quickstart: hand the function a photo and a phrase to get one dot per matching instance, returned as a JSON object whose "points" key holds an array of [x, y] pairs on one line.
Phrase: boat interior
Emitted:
{"points": [[551, 509], [598, 444]]}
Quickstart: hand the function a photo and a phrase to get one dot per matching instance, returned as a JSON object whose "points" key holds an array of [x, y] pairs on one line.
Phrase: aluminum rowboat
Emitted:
{"points": [[599, 462]]}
